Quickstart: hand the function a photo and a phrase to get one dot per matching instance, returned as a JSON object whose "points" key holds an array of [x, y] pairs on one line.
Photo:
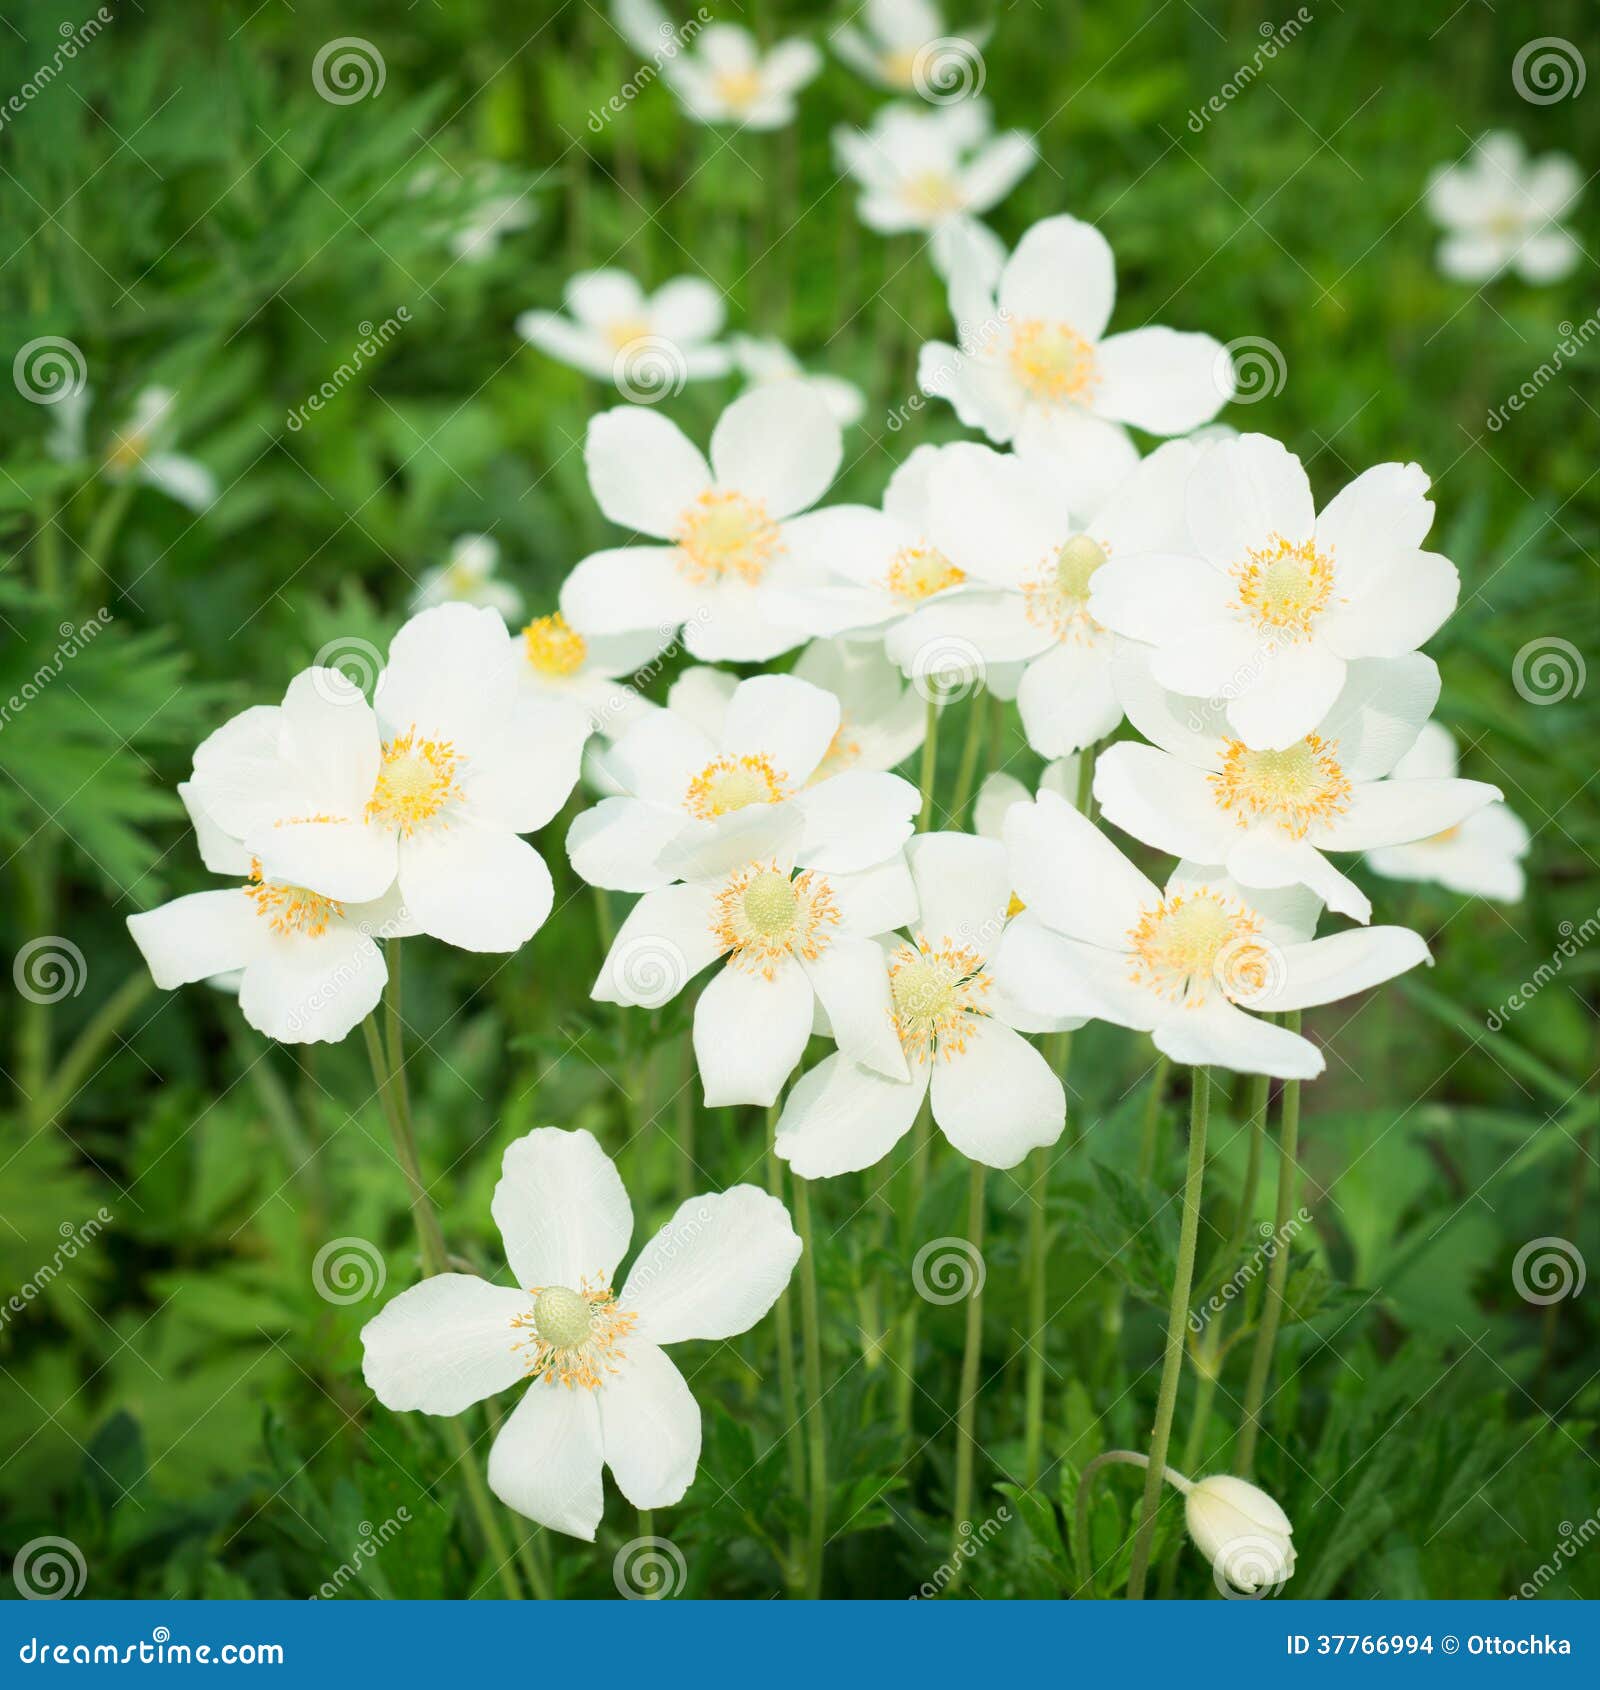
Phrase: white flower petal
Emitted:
{"points": [[520, 778], [997, 1099], [1061, 272], [561, 1209], [649, 1427], [1379, 713], [195, 937], [599, 298], [750, 1033], [1396, 812], [352, 861], [851, 980], [627, 588], [1292, 691], [1157, 597], [452, 670], [1265, 860], [1160, 380], [686, 310], [1380, 517], [1245, 492], [301, 989], [1405, 603], [445, 1344], [1162, 802], [478, 888], [963, 888], [855, 820], [644, 471], [617, 844], [1101, 452], [668, 938], [1216, 1034], [1070, 876], [1340, 965], [875, 900], [547, 1461], [779, 444], [838, 1118], [790, 720], [1066, 698]]}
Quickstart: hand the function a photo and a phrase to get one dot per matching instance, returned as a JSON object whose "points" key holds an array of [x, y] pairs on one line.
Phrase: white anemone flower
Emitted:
{"points": [[139, 450], [1501, 211], [999, 791], [646, 344], [1035, 367], [688, 791], [726, 77], [904, 45], [1268, 602], [923, 170], [991, 1093], [594, 673], [601, 1391], [467, 576], [1480, 856], [738, 559], [1267, 817], [770, 360], [1184, 964], [799, 953], [431, 786], [1016, 529]]}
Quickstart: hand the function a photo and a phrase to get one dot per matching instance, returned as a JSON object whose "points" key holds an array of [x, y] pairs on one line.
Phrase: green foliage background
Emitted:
{"points": [[182, 205]]}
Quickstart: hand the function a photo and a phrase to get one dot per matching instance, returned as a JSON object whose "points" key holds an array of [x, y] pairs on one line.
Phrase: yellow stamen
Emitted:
{"points": [[1057, 598], [291, 909], [127, 449], [918, 572], [574, 1337], [1296, 788], [553, 648], [739, 89], [1052, 363], [723, 534], [935, 992], [1285, 586], [622, 332], [899, 68], [415, 781], [763, 916], [734, 783], [844, 752], [934, 193], [1193, 939]]}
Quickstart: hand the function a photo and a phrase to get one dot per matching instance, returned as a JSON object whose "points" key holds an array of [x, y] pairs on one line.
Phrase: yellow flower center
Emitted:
{"points": [[1192, 939], [1294, 788], [918, 572], [1052, 363], [763, 915], [1058, 597], [723, 534], [1284, 586], [934, 993], [291, 909], [899, 68], [738, 88], [734, 783], [127, 448], [622, 332], [416, 779], [934, 193], [574, 1337], [553, 648]]}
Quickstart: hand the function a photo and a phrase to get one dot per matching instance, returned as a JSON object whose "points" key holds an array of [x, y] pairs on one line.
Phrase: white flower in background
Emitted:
{"points": [[1501, 211], [688, 792], [1268, 816], [431, 786], [770, 360], [993, 1095], [738, 560], [725, 76], [1013, 527], [601, 1391], [881, 719], [557, 663], [921, 169], [1096, 939], [1241, 1531], [1269, 601], [1481, 856], [479, 203], [801, 954], [467, 576], [616, 332], [901, 44], [1000, 791], [1035, 366], [139, 450]]}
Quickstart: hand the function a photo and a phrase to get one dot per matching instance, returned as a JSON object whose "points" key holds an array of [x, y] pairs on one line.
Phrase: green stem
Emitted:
{"points": [[1177, 1321], [968, 766], [971, 1356], [1060, 1052], [1232, 1251], [103, 531], [788, 1393], [930, 765], [1255, 1390], [1080, 1513], [917, 1183], [816, 1431], [1150, 1130]]}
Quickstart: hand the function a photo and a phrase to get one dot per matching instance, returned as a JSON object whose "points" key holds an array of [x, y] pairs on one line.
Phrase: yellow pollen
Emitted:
{"points": [[935, 992], [1192, 939], [573, 1337], [723, 534], [291, 909], [763, 916], [553, 648], [1057, 597], [1296, 788], [935, 193], [738, 88], [415, 781], [1285, 586], [899, 68], [918, 572], [734, 783], [844, 752], [127, 448], [622, 332], [1052, 363]]}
